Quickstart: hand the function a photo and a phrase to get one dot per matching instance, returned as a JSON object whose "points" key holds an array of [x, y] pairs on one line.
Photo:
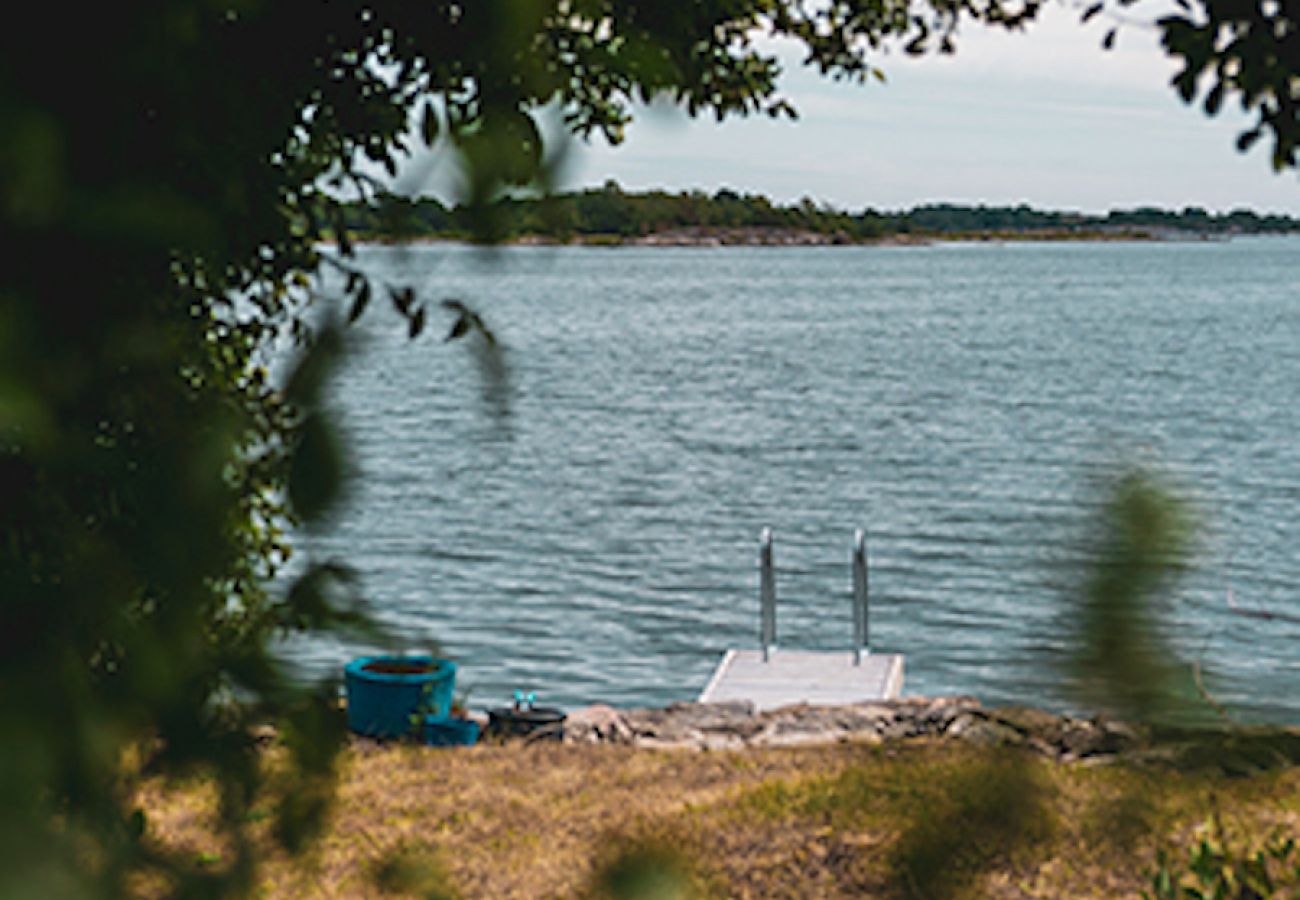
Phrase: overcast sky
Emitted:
{"points": [[1046, 118]]}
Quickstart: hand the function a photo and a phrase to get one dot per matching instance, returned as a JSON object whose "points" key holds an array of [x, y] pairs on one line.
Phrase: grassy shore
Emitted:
{"points": [[915, 818]]}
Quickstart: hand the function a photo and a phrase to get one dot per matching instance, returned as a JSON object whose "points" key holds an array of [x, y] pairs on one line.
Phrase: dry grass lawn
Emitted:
{"points": [[916, 819]]}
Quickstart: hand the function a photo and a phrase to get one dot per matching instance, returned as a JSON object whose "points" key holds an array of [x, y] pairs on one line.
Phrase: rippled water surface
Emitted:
{"points": [[592, 536]]}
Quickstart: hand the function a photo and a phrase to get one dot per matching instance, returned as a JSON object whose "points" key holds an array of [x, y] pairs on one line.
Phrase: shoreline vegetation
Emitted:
{"points": [[609, 216]]}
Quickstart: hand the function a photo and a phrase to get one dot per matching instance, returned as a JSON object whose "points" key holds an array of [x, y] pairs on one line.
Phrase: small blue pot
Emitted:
{"points": [[390, 696], [444, 731]]}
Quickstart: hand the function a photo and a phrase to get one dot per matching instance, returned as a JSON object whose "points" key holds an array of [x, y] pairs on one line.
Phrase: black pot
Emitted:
{"points": [[538, 723]]}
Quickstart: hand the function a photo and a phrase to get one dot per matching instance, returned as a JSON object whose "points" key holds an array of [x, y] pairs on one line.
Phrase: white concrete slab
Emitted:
{"points": [[802, 676]]}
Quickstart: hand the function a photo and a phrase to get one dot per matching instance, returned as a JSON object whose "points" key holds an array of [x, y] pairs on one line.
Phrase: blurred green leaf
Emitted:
{"points": [[982, 814], [316, 473], [413, 870], [307, 381], [646, 871], [1123, 661]]}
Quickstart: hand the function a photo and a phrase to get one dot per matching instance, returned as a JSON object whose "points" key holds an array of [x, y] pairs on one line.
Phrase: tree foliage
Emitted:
{"points": [[1238, 50]]}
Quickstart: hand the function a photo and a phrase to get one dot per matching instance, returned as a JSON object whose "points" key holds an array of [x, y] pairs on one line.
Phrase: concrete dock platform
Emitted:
{"points": [[802, 676]]}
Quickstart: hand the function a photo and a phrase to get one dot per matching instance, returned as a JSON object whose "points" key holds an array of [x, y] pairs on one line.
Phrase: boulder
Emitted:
{"points": [[598, 724]]}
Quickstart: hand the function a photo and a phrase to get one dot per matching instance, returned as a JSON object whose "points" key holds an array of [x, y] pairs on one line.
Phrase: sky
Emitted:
{"points": [[1045, 117]]}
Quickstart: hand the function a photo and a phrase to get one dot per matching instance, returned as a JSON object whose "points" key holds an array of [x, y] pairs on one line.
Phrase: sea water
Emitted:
{"points": [[580, 517]]}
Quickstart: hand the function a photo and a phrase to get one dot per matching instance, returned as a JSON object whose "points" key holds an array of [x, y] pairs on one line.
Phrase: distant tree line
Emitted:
{"points": [[949, 218], [612, 213]]}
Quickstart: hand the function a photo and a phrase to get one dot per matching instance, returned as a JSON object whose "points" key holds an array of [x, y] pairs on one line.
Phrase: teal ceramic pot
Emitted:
{"points": [[390, 696]]}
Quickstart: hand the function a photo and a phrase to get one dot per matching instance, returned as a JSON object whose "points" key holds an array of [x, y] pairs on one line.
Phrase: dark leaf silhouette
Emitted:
{"points": [[459, 328], [429, 125], [360, 301]]}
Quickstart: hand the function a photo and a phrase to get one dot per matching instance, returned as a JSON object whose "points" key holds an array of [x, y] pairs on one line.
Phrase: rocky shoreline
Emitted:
{"points": [[735, 726], [759, 237], [706, 237], [712, 236], [1228, 747]]}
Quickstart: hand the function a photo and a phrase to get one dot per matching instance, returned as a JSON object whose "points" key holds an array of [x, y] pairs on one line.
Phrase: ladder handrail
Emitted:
{"points": [[860, 632], [767, 596]]}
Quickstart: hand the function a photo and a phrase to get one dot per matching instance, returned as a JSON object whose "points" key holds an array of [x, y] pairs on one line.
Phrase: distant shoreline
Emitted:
{"points": [[610, 216], [758, 237]]}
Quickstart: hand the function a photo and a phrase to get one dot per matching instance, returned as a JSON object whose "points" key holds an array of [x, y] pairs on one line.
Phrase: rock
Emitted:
{"points": [[598, 724], [1042, 747], [1082, 738], [900, 728], [877, 710], [800, 725], [939, 713], [1030, 721], [778, 738], [689, 722], [795, 725], [964, 722], [992, 734], [720, 741]]}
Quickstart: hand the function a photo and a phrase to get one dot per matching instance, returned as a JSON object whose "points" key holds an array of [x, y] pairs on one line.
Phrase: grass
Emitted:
{"points": [[898, 820]]}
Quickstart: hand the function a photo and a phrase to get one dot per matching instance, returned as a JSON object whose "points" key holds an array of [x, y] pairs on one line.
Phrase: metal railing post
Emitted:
{"points": [[860, 634], [766, 594]]}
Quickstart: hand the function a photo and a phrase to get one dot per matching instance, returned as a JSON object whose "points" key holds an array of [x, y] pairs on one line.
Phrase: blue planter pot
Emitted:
{"points": [[390, 696], [442, 731]]}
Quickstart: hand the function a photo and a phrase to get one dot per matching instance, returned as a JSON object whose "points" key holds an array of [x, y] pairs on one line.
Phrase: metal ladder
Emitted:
{"points": [[767, 595]]}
